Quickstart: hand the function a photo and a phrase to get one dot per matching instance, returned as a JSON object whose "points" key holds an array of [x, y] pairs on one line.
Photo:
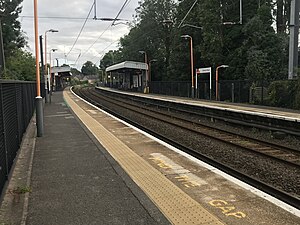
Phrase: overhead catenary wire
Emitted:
{"points": [[114, 20], [101, 53], [55, 17], [134, 40], [121, 10], [77, 58], [187, 13], [125, 4], [81, 29]]}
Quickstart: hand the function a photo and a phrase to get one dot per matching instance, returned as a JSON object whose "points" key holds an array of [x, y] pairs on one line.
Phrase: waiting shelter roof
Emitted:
{"points": [[128, 65], [60, 69]]}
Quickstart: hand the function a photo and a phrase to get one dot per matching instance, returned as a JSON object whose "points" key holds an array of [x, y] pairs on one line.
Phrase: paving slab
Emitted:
{"points": [[75, 182]]}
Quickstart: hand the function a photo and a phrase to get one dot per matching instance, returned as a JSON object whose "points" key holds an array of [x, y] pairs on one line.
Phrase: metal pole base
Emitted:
{"points": [[46, 96], [39, 116], [193, 92]]}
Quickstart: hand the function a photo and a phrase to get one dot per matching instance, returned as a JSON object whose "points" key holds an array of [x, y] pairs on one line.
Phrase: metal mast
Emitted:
{"points": [[294, 32]]}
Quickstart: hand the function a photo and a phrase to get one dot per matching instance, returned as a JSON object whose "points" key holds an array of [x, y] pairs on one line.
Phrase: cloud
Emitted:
{"points": [[50, 17]]}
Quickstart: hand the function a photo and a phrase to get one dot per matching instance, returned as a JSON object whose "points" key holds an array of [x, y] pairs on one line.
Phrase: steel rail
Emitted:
{"points": [[271, 150], [273, 191], [207, 115]]}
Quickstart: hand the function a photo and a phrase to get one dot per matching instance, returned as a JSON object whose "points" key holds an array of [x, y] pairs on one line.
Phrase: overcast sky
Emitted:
{"points": [[69, 27]]}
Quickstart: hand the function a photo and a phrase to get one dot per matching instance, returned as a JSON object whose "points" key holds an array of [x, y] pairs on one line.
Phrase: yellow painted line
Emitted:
{"points": [[176, 205]]}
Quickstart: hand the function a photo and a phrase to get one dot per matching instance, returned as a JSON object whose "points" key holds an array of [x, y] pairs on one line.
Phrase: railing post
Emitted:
{"points": [[232, 92]]}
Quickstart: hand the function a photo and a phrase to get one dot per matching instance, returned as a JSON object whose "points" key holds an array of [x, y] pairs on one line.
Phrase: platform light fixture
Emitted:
{"points": [[217, 79], [185, 36], [50, 72], [46, 65]]}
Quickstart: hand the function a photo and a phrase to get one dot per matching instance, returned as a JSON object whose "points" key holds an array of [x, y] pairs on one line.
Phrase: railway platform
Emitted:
{"points": [[91, 168], [257, 110], [276, 120]]}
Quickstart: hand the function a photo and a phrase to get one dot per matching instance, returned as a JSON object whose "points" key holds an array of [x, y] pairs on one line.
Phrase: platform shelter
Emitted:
{"points": [[127, 75], [61, 76]]}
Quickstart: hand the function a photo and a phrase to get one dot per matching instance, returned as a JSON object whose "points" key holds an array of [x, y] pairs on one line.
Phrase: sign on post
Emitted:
{"points": [[204, 70]]}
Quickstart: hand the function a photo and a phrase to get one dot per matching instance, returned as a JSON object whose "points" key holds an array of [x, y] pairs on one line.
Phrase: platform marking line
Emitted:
{"points": [[58, 115], [175, 204]]}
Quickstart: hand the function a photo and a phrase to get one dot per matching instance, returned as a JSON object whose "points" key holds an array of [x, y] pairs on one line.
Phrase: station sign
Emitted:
{"points": [[203, 70]]}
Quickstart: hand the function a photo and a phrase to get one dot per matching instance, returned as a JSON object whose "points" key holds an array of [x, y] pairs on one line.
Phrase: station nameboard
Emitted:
{"points": [[203, 70]]}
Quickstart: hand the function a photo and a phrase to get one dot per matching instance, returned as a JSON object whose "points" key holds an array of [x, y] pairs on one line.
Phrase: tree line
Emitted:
{"points": [[19, 63], [256, 49]]}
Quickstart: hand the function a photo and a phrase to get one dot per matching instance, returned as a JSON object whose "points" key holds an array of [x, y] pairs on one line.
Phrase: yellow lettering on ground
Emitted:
{"points": [[227, 208], [186, 181], [239, 215], [218, 203], [161, 163]]}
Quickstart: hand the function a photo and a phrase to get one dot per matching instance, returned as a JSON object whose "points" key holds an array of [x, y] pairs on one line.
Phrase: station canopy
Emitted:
{"points": [[128, 65], [61, 70]]}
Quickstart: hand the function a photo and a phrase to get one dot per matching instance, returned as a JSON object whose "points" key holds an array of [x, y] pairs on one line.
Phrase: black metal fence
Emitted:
{"points": [[17, 105], [280, 93], [239, 91], [176, 88]]}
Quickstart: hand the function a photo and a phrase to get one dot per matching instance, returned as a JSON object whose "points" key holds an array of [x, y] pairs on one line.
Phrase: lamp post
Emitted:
{"points": [[47, 75], [147, 71], [192, 61], [217, 80], [39, 99], [50, 72]]}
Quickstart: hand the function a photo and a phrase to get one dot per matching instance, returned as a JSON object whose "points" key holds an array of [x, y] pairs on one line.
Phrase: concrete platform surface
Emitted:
{"points": [[74, 180]]}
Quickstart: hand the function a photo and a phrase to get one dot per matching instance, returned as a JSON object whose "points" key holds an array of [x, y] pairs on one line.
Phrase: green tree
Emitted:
{"points": [[13, 37], [75, 71], [252, 49], [110, 58], [180, 49], [89, 68], [20, 66], [265, 49], [150, 35]]}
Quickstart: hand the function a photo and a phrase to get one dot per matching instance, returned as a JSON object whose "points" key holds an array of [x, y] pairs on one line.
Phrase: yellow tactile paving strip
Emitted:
{"points": [[176, 205]]}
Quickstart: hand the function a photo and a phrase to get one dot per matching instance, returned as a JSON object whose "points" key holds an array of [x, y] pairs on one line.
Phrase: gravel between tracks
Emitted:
{"points": [[286, 178]]}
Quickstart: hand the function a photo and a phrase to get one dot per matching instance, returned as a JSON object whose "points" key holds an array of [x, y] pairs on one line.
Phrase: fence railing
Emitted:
{"points": [[239, 91], [17, 105]]}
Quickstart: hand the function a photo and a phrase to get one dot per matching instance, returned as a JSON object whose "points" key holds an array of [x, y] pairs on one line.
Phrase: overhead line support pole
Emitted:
{"points": [[2, 57], [95, 10], [39, 99], [293, 48]]}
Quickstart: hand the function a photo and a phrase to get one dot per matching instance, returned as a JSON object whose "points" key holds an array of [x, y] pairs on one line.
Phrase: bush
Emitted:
{"points": [[284, 94]]}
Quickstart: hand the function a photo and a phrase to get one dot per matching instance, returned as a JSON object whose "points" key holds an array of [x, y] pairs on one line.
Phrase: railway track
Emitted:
{"points": [[271, 150], [235, 119], [276, 152]]}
